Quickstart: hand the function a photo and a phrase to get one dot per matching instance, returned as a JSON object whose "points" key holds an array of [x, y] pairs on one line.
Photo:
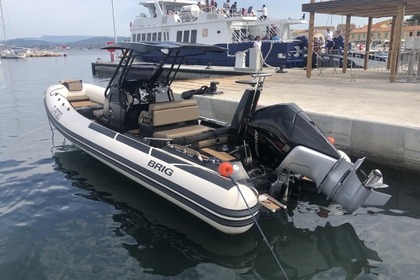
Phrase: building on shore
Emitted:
{"points": [[381, 33]]}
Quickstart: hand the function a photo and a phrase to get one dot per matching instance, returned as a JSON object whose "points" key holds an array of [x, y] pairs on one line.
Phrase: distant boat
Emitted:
{"points": [[12, 54], [6, 52], [189, 21]]}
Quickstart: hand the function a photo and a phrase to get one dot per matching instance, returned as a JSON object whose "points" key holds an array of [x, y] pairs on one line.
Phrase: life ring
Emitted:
{"points": [[225, 169]]}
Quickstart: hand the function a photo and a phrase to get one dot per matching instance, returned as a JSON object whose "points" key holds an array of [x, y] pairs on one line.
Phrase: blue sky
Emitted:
{"points": [[33, 18]]}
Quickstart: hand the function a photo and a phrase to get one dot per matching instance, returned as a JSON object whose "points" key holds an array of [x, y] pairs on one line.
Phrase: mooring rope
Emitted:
{"points": [[259, 228], [266, 56]]}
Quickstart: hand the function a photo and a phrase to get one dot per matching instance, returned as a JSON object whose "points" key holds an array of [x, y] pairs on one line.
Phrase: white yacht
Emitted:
{"points": [[189, 21]]}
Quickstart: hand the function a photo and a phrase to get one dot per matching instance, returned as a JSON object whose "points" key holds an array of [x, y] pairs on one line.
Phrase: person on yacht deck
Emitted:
{"points": [[226, 7], [233, 9], [264, 13]]}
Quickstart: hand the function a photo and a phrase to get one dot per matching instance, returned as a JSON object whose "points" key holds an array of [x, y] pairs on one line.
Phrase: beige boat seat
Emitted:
{"points": [[171, 120]]}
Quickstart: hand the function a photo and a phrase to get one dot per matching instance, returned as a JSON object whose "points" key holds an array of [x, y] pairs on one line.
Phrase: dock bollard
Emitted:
{"points": [[281, 70]]}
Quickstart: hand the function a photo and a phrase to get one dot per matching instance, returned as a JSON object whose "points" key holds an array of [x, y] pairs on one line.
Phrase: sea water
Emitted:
{"points": [[64, 215]]}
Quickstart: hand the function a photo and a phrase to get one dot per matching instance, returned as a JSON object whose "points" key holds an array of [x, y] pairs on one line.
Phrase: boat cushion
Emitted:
{"points": [[172, 104], [77, 97], [87, 103], [181, 131], [171, 119], [73, 85], [173, 112]]}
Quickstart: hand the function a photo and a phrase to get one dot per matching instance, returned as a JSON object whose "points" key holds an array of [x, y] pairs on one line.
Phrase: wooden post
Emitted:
{"points": [[368, 36], [310, 43], [396, 44], [391, 42], [346, 44]]}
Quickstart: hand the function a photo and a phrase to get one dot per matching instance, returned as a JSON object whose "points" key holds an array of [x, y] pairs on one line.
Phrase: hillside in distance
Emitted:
{"points": [[69, 41]]}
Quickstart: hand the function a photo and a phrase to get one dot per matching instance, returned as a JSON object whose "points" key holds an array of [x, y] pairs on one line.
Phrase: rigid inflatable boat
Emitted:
{"points": [[221, 173]]}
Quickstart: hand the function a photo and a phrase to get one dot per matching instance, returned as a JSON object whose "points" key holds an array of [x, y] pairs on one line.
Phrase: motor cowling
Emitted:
{"points": [[285, 138], [274, 131]]}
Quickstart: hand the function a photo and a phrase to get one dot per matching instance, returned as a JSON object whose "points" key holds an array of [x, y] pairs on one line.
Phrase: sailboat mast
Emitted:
{"points": [[113, 21], [2, 24]]}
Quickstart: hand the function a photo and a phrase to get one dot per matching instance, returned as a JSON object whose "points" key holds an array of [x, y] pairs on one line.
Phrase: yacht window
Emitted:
{"points": [[138, 37], [152, 11], [149, 36], [159, 36], [186, 36], [171, 8], [194, 36], [143, 37], [165, 35], [133, 39], [179, 36], [154, 36]]}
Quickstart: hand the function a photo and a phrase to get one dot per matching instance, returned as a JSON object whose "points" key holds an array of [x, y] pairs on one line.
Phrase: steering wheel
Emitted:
{"points": [[144, 94]]}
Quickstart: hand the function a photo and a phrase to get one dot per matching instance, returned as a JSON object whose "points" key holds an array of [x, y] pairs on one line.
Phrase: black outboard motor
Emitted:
{"points": [[284, 137]]}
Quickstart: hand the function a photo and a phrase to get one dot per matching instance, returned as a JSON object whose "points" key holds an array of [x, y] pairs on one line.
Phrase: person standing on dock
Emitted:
{"points": [[257, 42], [321, 43], [316, 45], [329, 43], [338, 43]]}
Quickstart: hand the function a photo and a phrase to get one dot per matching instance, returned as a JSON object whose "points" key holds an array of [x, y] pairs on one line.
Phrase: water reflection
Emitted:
{"points": [[307, 253], [170, 242], [168, 239]]}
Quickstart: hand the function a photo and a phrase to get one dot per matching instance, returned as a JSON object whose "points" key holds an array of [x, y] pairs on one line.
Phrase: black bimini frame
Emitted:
{"points": [[174, 51]]}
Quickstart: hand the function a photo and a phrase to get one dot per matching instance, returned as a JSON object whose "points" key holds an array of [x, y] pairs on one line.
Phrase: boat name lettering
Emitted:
{"points": [[56, 113], [160, 167]]}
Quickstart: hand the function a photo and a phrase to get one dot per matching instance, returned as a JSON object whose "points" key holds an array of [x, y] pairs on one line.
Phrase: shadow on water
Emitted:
{"points": [[171, 242]]}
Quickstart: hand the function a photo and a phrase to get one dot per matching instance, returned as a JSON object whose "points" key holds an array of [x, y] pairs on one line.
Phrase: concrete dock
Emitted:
{"points": [[365, 113]]}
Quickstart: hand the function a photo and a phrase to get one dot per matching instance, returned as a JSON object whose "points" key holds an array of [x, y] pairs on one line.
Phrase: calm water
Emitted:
{"points": [[64, 215]]}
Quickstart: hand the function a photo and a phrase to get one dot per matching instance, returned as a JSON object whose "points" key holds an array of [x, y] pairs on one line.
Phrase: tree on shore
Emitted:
{"points": [[413, 20]]}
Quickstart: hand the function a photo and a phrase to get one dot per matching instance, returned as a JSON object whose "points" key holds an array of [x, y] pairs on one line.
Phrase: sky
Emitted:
{"points": [[34, 18]]}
